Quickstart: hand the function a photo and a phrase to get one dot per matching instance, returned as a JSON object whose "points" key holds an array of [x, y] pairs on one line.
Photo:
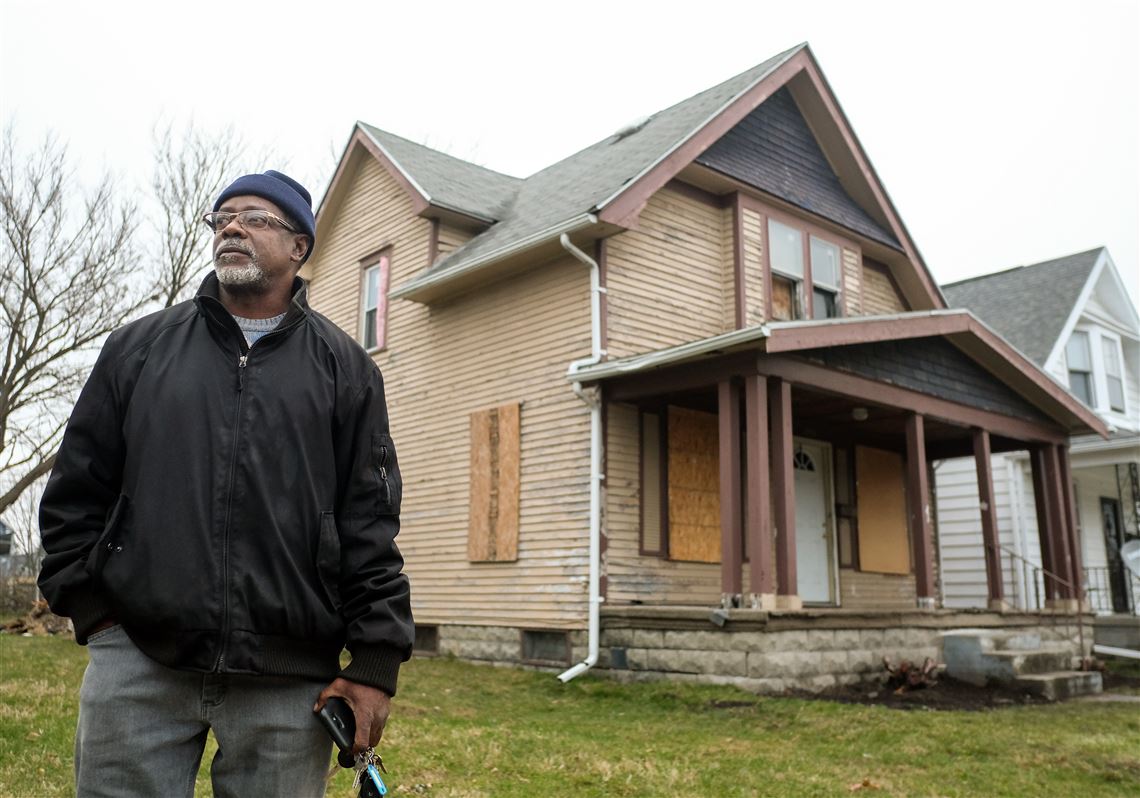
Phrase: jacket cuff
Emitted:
{"points": [[88, 612], [375, 666]]}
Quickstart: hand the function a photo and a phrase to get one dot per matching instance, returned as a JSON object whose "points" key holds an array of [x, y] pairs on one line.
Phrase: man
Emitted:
{"points": [[220, 524]]}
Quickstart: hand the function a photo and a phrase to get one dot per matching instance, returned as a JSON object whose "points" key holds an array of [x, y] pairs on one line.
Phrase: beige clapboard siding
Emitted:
{"points": [[509, 342], [859, 590], [879, 295], [752, 230], [728, 266], [852, 283], [452, 238], [630, 576], [664, 280]]}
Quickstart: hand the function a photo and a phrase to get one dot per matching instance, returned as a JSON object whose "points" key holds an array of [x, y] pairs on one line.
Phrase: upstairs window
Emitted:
{"points": [[824, 278], [1080, 367], [786, 256], [374, 308], [805, 272], [1113, 373]]}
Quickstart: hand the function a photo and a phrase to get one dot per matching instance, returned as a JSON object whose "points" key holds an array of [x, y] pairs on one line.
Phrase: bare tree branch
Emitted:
{"points": [[67, 279], [191, 167]]}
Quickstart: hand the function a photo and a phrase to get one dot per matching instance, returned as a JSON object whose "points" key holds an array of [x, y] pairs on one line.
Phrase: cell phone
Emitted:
{"points": [[340, 722]]}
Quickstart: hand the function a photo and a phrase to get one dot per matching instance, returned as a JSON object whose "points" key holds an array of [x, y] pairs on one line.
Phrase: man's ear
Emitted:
{"points": [[301, 245]]}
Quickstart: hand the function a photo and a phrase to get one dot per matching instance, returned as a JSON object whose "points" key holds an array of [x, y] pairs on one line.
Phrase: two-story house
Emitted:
{"points": [[1072, 316], [669, 405]]}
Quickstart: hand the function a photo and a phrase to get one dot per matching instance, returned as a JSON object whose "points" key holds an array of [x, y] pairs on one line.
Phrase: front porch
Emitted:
{"points": [[790, 470]]}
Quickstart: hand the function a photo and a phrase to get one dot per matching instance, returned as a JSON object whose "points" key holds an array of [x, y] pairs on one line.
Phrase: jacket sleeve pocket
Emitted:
{"points": [[386, 470], [328, 559], [110, 541]]}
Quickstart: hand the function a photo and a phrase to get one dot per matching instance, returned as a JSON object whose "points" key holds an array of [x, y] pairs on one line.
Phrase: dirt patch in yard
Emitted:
{"points": [[947, 694], [38, 621]]}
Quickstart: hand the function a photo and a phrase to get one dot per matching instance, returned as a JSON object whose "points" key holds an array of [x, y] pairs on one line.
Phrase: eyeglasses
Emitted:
{"points": [[249, 220]]}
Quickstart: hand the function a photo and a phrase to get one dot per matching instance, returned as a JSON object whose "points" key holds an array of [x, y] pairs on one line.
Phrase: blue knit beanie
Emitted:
{"points": [[284, 192]]}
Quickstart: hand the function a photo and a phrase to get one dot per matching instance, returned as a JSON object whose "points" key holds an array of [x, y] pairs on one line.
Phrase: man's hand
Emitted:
{"points": [[370, 706]]}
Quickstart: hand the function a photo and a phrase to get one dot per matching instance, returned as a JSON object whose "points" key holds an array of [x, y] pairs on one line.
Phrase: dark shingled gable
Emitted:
{"points": [[932, 366], [774, 150], [1027, 305]]}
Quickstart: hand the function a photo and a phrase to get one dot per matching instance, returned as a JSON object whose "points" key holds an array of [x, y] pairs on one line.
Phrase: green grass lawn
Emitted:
{"points": [[459, 729]]}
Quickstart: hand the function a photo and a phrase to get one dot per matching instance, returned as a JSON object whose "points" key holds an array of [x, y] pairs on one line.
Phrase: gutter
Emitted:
{"points": [[541, 237], [593, 399]]}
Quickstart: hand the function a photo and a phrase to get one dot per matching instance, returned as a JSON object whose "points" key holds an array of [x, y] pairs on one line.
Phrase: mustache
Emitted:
{"points": [[233, 246]]}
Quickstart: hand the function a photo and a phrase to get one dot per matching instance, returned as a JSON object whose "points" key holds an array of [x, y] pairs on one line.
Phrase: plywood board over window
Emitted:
{"points": [[880, 484], [694, 486], [493, 526]]}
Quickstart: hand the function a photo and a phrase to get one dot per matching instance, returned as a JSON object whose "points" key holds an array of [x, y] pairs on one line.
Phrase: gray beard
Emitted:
{"points": [[249, 277]]}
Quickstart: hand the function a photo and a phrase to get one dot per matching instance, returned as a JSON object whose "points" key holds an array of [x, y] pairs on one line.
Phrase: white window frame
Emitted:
{"points": [[382, 266], [1100, 371], [1093, 344]]}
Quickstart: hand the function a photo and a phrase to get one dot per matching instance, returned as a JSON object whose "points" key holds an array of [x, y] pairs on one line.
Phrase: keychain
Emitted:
{"points": [[368, 776]]}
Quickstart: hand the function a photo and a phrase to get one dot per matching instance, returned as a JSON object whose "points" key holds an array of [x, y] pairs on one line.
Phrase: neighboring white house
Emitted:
{"points": [[1073, 317]]}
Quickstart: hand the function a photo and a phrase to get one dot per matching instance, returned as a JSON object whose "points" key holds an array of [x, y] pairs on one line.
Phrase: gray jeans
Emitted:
{"points": [[142, 729]]}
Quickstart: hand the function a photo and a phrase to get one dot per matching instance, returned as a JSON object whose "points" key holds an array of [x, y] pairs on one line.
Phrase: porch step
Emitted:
{"points": [[1060, 685], [985, 656], [1042, 660]]}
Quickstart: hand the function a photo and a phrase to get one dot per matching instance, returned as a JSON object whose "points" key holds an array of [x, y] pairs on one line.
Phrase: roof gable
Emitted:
{"points": [[1029, 306], [602, 189], [445, 181], [774, 149], [1112, 297]]}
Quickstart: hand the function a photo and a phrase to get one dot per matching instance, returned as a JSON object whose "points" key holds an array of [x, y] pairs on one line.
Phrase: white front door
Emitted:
{"points": [[814, 540]]}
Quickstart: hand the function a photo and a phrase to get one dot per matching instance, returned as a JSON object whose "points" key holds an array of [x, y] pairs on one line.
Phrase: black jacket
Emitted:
{"points": [[234, 508]]}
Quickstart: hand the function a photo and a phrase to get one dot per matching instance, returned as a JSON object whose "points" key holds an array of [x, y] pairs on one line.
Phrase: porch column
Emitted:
{"points": [[1044, 520], [783, 493], [1054, 497], [761, 580], [731, 556], [918, 511], [1074, 536], [989, 519]]}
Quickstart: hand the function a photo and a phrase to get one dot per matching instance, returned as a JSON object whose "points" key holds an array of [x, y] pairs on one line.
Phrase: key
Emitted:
{"points": [[373, 786], [368, 777]]}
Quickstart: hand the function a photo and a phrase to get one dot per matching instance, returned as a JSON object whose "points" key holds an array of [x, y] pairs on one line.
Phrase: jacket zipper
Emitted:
{"points": [[243, 359], [383, 469]]}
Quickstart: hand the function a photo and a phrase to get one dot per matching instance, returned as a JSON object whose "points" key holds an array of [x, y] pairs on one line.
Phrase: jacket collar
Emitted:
{"points": [[209, 295]]}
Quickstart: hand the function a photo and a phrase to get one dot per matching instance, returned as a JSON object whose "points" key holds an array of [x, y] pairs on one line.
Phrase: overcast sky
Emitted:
{"points": [[1005, 132]]}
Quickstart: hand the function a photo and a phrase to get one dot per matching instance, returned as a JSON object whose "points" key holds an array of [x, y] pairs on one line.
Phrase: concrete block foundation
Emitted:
{"points": [[763, 651]]}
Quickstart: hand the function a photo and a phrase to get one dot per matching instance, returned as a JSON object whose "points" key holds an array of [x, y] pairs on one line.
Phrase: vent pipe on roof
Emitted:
{"points": [[631, 128], [593, 399]]}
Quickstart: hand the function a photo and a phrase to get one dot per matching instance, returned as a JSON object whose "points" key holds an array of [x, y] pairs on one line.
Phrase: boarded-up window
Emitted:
{"points": [[783, 299], [880, 484], [493, 527], [694, 486], [652, 523]]}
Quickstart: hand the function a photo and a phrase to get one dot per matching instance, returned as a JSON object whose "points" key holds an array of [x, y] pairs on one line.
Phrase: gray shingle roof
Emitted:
{"points": [[1027, 305], [578, 184], [449, 181]]}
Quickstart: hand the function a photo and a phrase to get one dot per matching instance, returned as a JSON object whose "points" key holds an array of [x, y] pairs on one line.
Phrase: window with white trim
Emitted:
{"points": [[1079, 361], [374, 304], [1113, 372]]}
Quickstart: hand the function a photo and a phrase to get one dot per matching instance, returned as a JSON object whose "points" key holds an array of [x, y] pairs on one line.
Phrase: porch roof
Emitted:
{"points": [[959, 327]]}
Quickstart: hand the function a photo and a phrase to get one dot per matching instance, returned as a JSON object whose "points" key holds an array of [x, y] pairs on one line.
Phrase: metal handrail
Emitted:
{"points": [[1036, 571]]}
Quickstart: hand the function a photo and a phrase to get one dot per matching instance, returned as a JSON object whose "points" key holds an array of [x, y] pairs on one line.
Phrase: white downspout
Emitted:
{"points": [[592, 398]]}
